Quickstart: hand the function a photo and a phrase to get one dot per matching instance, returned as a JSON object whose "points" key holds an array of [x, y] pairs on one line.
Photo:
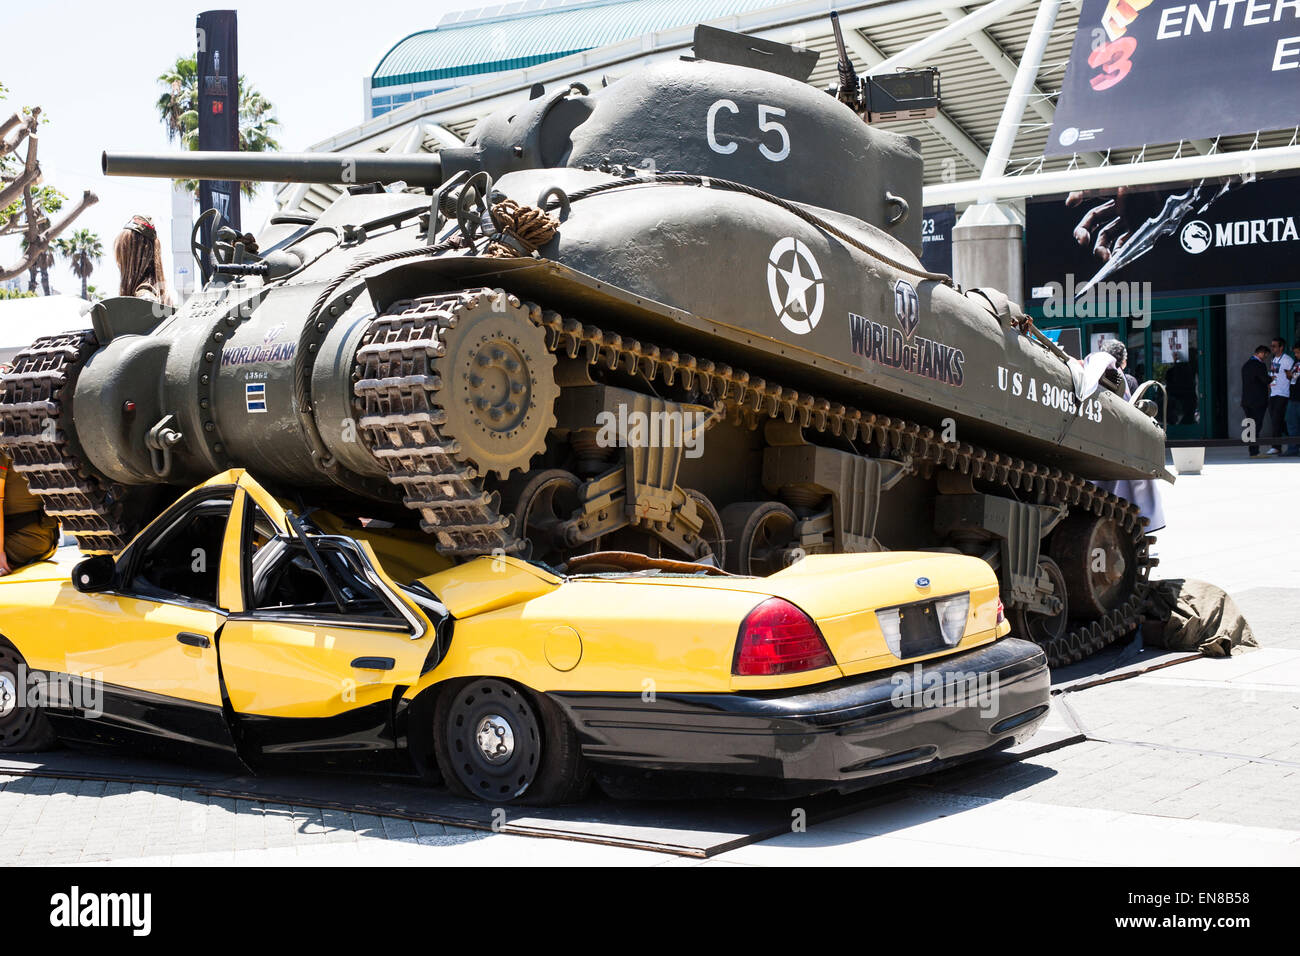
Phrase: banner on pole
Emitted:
{"points": [[217, 34]]}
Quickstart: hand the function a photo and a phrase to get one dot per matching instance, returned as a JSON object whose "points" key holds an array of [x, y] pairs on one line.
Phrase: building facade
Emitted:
{"points": [[472, 45]]}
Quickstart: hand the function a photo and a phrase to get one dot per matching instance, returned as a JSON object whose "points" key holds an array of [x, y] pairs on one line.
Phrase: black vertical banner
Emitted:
{"points": [[218, 80], [936, 238]]}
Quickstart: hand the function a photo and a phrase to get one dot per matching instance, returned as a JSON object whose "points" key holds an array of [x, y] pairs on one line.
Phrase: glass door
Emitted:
{"points": [[1137, 356], [1098, 332], [1176, 359]]}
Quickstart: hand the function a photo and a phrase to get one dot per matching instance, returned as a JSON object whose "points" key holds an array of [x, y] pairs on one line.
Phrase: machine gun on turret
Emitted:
{"points": [[901, 95]]}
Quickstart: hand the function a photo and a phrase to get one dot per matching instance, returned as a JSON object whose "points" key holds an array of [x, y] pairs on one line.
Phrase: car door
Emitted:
{"points": [[147, 643], [311, 668]]}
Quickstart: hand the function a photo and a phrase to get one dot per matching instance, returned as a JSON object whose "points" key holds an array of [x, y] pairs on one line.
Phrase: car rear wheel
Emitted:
{"points": [[497, 743], [23, 728]]}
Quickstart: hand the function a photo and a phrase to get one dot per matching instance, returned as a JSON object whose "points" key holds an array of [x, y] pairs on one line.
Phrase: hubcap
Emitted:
{"points": [[8, 695], [499, 387], [495, 739]]}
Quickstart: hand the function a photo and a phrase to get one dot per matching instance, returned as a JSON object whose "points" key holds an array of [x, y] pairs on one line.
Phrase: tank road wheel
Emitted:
{"points": [[711, 530], [495, 743], [759, 534], [498, 385], [1099, 562], [547, 499], [22, 729], [1045, 629]]}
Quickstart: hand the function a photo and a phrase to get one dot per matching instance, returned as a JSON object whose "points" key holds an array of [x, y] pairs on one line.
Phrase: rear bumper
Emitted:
{"points": [[839, 735]]}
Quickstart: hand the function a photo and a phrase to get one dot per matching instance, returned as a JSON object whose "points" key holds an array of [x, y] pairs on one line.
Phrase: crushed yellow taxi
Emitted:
{"points": [[233, 629]]}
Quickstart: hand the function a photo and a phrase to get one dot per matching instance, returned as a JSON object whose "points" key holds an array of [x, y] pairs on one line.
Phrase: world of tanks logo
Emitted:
{"points": [[907, 307], [899, 348], [790, 265], [253, 354]]}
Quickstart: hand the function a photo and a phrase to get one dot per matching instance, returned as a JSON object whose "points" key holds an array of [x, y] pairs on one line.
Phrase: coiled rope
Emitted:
{"points": [[521, 230]]}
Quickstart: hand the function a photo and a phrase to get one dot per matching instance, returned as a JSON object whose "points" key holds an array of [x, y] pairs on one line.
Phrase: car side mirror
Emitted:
{"points": [[94, 573]]}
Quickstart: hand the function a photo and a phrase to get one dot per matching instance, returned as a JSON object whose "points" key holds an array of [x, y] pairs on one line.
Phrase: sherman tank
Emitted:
{"points": [[681, 314]]}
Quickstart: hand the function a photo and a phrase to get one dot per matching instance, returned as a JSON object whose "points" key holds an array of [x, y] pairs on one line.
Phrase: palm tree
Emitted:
{"points": [[178, 107], [83, 252], [178, 110], [40, 268]]}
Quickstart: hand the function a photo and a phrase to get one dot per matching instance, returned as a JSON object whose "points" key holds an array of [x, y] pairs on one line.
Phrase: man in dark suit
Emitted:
{"points": [[1254, 393]]}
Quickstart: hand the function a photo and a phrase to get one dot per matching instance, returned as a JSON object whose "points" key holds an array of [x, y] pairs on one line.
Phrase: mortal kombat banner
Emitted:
{"points": [[1215, 235], [217, 34], [1159, 71]]}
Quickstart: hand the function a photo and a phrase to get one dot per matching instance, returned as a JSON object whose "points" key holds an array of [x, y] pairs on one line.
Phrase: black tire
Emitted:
{"points": [[539, 760], [757, 534], [1095, 591], [539, 504], [23, 729], [711, 531]]}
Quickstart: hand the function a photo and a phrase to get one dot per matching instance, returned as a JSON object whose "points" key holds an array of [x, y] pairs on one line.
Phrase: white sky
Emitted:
{"points": [[92, 68]]}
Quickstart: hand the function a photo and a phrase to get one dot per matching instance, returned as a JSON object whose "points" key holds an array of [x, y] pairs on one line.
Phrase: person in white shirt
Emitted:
{"points": [[1293, 406], [1279, 391], [1142, 492]]}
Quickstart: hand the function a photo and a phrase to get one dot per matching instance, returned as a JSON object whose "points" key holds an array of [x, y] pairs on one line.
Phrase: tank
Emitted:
{"points": [[682, 314]]}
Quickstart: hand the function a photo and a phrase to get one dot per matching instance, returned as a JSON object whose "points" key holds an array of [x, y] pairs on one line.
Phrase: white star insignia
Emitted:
{"points": [[797, 286]]}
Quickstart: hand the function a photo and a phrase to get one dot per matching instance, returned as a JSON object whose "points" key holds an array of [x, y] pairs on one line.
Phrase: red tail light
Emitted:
{"points": [[1002, 615], [778, 638]]}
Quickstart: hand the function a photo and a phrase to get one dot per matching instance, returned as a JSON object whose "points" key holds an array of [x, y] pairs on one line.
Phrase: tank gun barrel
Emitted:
{"points": [[417, 170]]}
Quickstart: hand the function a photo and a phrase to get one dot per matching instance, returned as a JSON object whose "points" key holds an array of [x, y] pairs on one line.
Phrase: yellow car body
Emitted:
{"points": [[218, 632]]}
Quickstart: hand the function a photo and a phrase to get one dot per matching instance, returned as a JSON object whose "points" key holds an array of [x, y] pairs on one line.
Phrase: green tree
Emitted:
{"points": [[83, 251], [27, 205], [178, 111]]}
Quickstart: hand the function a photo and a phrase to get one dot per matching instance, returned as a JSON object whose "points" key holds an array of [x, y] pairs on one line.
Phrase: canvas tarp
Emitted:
{"points": [[1188, 615]]}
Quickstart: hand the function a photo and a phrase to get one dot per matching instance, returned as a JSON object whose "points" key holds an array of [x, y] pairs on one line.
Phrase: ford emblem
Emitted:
{"points": [[922, 582]]}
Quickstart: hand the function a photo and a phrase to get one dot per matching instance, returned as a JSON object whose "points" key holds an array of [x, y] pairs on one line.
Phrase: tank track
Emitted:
{"points": [[33, 400], [400, 425]]}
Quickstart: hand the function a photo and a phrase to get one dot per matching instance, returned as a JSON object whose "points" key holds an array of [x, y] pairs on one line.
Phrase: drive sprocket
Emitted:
{"points": [[498, 383]]}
